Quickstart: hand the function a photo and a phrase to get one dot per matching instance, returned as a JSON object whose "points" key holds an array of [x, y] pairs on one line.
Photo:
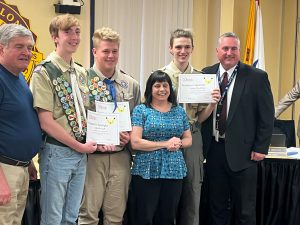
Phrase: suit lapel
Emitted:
{"points": [[236, 93]]}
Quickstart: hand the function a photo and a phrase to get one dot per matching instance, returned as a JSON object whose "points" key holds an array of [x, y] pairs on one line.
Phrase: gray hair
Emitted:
{"points": [[230, 35], [10, 31]]}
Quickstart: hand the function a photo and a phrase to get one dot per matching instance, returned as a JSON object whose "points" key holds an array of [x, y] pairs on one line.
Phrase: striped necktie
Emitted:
{"points": [[223, 115]]}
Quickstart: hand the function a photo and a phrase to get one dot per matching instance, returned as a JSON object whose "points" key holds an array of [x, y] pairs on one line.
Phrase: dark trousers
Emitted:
{"points": [[154, 201], [230, 193]]}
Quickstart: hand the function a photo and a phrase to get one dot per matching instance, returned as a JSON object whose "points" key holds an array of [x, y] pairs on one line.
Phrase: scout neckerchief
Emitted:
{"points": [[79, 106], [67, 99], [112, 90], [100, 90], [220, 103]]}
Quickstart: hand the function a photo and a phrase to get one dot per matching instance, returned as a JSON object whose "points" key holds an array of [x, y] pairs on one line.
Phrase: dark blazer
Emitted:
{"points": [[250, 118]]}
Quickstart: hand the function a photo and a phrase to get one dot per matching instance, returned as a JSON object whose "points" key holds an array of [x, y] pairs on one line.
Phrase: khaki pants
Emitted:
{"points": [[188, 212], [18, 181], [106, 187]]}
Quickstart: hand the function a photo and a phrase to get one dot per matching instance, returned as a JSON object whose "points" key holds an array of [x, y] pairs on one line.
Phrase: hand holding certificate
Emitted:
{"points": [[196, 88], [103, 128]]}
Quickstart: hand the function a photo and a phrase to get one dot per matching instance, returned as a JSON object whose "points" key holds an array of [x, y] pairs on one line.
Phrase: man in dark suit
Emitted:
{"points": [[237, 135]]}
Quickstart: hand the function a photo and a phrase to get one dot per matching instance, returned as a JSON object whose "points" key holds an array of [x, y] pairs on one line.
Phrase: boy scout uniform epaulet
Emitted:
{"points": [[162, 69], [121, 71], [78, 64], [197, 71], [39, 67]]}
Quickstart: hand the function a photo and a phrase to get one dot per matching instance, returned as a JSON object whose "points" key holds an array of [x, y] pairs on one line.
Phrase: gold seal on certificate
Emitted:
{"points": [[196, 88], [122, 110], [103, 128]]}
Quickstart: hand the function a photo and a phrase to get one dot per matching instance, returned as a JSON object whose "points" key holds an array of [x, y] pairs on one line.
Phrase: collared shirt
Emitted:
{"points": [[192, 109], [127, 89], [44, 94], [229, 95]]}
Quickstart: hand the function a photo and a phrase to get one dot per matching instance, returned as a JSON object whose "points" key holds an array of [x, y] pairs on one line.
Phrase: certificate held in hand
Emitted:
{"points": [[103, 128], [196, 88]]}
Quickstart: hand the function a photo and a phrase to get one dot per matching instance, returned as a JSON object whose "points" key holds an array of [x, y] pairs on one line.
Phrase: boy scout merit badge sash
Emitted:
{"points": [[99, 90], [65, 94]]}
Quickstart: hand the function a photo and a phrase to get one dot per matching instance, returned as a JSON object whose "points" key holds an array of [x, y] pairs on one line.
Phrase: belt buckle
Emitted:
{"points": [[24, 164]]}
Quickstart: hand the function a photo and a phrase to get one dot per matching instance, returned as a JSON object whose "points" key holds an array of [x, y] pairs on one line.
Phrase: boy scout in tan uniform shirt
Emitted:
{"points": [[60, 95], [127, 90], [190, 197], [108, 172], [44, 89], [192, 109]]}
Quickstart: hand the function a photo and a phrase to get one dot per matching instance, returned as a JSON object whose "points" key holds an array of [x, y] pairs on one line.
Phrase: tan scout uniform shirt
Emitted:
{"points": [[127, 90], [192, 109], [44, 94]]}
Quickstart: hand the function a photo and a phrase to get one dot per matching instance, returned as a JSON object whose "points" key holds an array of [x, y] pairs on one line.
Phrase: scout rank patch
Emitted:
{"points": [[98, 90], [124, 84], [64, 92]]}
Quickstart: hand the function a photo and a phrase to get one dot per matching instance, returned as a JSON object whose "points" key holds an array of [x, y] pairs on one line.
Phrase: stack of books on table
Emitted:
{"points": [[277, 152]]}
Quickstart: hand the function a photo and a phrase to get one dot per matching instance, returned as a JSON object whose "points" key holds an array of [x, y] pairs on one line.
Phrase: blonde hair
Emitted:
{"points": [[62, 22], [105, 34]]}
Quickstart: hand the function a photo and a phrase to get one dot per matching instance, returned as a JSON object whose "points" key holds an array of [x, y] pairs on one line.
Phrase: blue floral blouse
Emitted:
{"points": [[158, 126]]}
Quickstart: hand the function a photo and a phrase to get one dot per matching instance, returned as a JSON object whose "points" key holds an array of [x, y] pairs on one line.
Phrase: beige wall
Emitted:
{"points": [[279, 23], [211, 18], [40, 13]]}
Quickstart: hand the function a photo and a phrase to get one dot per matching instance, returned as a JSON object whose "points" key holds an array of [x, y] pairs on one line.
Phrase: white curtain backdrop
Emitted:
{"points": [[144, 27]]}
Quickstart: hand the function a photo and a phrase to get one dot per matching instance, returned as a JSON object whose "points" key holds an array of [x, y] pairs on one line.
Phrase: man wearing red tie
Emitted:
{"points": [[237, 135]]}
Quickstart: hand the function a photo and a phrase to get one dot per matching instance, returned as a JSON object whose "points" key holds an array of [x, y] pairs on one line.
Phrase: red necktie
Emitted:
{"points": [[223, 115]]}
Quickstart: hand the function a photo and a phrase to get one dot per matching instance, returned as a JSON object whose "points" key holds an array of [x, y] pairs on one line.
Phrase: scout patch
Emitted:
{"points": [[124, 84]]}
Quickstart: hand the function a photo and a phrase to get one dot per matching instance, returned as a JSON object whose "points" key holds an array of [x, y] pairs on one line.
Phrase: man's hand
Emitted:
{"points": [[88, 147], [106, 148], [215, 96], [255, 156], [5, 193], [32, 171], [124, 138]]}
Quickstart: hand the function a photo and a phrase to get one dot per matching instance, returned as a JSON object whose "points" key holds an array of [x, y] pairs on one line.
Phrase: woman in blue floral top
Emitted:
{"points": [[160, 129]]}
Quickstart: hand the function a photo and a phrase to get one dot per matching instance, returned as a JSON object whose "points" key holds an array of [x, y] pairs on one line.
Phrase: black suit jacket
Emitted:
{"points": [[250, 117]]}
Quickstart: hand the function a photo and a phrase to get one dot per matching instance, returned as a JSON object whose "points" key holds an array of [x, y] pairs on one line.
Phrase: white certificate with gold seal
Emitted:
{"points": [[103, 128], [122, 110], [196, 88]]}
